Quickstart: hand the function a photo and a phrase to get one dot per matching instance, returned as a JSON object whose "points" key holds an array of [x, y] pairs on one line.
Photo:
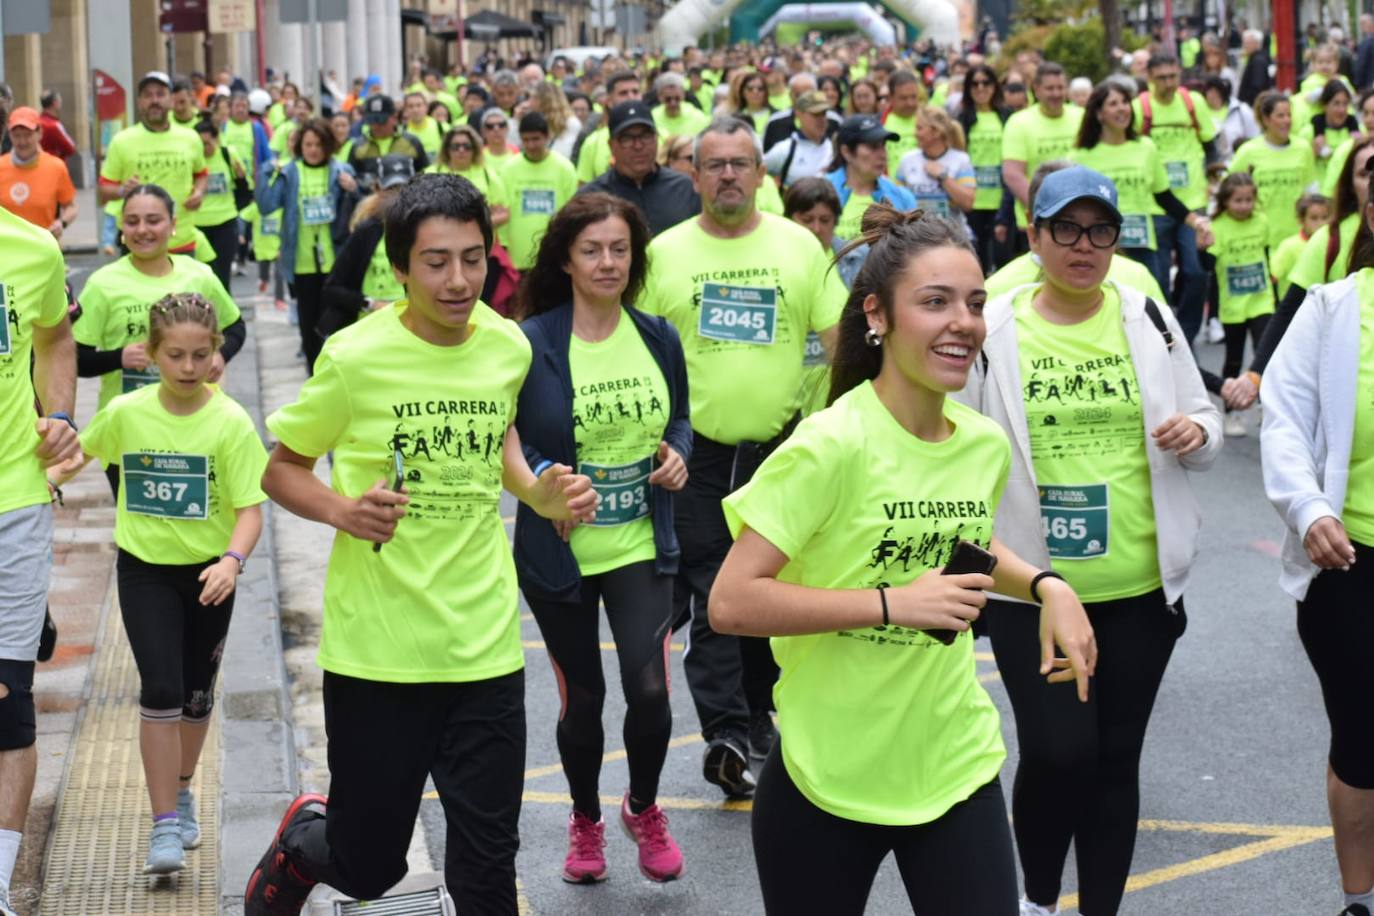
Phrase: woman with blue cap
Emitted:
{"points": [[1106, 416]]}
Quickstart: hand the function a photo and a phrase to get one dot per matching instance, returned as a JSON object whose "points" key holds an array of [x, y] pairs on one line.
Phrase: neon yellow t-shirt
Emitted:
{"points": [[742, 307], [850, 224], [266, 232], [170, 158], [438, 603], [768, 199], [594, 157], [1242, 268], [1025, 269], [32, 293], [538, 191], [314, 243], [1087, 438], [1180, 144], [1282, 175], [688, 123], [985, 152], [1310, 267], [1336, 138], [1358, 513], [114, 312], [905, 129], [280, 141], [239, 138], [1137, 170], [1282, 260], [882, 725], [1032, 137], [181, 478], [380, 281], [218, 205], [430, 133], [620, 410], [1332, 173]]}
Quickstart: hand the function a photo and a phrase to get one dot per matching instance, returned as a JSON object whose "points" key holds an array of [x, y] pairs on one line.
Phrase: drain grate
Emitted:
{"points": [[100, 831]]}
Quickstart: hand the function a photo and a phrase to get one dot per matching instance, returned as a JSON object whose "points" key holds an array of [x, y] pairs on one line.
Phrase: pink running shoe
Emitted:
{"points": [[586, 863], [659, 857]]}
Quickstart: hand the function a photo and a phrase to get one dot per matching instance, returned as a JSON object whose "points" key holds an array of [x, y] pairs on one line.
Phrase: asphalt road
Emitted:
{"points": [[1233, 807]]}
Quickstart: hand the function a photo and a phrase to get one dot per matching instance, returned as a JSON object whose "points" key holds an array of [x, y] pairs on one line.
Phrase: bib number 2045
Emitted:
{"points": [[742, 314]]}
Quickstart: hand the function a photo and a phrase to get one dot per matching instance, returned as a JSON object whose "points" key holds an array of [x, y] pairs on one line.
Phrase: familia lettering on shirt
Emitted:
{"points": [[451, 452]]}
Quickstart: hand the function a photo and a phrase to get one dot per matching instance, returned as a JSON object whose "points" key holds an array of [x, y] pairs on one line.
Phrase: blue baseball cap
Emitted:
{"points": [[1061, 188]]}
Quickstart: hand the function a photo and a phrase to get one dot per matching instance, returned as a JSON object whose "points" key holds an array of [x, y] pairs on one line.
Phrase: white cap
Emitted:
{"points": [[259, 100]]}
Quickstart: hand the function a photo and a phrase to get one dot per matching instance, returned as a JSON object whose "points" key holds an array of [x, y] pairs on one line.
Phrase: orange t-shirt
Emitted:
{"points": [[34, 192]]}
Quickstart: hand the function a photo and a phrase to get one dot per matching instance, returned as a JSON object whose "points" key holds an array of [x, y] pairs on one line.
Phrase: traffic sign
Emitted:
{"points": [[233, 16]]}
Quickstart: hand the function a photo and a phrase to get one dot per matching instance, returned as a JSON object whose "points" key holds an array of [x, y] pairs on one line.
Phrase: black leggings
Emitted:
{"points": [[639, 605], [1235, 343], [1337, 629], [307, 289], [983, 223], [811, 861], [177, 641], [224, 239], [1078, 777]]}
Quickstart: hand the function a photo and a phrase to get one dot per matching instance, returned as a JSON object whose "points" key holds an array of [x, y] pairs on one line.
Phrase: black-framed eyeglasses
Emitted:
{"points": [[1066, 233], [638, 138]]}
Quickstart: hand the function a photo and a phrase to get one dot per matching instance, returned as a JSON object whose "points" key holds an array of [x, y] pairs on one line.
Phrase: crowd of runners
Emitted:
{"points": [[831, 359]]}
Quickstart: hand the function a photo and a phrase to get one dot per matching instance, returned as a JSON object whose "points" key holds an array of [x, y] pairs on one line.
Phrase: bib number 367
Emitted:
{"points": [[167, 485]]}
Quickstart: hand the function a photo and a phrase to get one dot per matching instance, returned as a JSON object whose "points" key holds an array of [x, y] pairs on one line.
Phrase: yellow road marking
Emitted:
{"points": [[989, 677], [677, 804], [983, 656], [605, 646], [1276, 839], [522, 903]]}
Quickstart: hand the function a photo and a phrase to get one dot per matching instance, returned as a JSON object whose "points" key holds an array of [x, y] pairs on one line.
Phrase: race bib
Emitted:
{"points": [[1243, 279], [1135, 231], [537, 202], [937, 204], [4, 322], [317, 211], [743, 314], [622, 491], [989, 177], [218, 183], [270, 225], [1074, 521], [134, 379], [1178, 174], [167, 486], [815, 350]]}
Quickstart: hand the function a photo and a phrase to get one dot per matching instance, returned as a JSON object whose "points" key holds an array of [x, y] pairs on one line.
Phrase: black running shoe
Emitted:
{"points": [[762, 734], [276, 888], [1355, 909], [47, 642], [726, 765]]}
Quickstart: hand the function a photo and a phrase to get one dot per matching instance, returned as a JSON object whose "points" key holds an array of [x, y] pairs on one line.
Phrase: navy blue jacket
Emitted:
{"points": [[544, 562]]}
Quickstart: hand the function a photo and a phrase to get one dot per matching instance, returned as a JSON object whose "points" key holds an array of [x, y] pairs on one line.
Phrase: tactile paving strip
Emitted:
{"points": [[100, 832]]}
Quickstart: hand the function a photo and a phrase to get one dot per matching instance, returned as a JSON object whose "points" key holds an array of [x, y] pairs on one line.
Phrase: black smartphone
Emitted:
{"points": [[396, 485], [967, 557]]}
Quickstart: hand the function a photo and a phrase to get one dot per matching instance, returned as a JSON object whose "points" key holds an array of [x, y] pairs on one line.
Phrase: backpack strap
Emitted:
{"points": [[1157, 319], [787, 163], [1146, 114], [1192, 111]]}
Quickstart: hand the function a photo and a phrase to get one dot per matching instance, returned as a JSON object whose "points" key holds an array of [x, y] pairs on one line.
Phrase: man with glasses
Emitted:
{"points": [[672, 115], [742, 288], [665, 196], [782, 125], [594, 158], [1184, 133], [382, 136], [809, 152]]}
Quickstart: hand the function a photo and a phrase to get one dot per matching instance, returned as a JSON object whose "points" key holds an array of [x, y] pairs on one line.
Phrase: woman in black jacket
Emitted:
{"points": [[607, 393]]}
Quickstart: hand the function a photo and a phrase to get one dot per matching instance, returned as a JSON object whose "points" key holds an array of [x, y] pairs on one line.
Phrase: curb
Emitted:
{"points": [[258, 767]]}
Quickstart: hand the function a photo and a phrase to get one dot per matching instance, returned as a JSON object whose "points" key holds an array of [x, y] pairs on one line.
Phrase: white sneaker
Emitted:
{"points": [[1035, 909], [1215, 333], [1233, 427]]}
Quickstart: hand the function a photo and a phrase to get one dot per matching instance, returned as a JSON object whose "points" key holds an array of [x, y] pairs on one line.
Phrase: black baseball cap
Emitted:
{"points": [[864, 129], [632, 113], [394, 170], [377, 108]]}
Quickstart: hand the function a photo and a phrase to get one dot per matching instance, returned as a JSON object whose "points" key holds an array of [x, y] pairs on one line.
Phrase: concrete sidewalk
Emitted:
{"points": [[83, 235]]}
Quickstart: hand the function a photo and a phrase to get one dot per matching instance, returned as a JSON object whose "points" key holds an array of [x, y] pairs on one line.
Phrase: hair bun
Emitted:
{"points": [[882, 218]]}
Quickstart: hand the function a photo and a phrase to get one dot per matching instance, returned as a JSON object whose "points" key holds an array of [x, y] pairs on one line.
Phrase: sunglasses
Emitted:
{"points": [[496, 125], [460, 147]]}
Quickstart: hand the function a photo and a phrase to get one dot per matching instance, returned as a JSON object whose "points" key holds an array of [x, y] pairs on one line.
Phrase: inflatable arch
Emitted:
{"points": [[863, 16], [688, 20]]}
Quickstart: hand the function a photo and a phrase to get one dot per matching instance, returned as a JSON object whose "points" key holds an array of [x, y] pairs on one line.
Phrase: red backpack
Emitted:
{"points": [[1147, 115]]}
